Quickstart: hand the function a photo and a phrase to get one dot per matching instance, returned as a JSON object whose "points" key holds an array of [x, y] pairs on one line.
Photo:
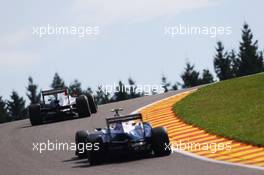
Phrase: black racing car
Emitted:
{"points": [[127, 135], [58, 104]]}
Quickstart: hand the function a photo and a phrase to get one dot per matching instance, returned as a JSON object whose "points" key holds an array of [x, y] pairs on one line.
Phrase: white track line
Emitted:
{"points": [[141, 108], [195, 155]]}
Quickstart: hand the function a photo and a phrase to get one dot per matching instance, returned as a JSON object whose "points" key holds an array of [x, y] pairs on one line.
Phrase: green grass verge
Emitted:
{"points": [[232, 108]]}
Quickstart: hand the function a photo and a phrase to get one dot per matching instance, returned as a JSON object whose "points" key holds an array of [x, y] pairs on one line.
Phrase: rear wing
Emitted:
{"points": [[111, 120], [125, 118], [54, 91]]}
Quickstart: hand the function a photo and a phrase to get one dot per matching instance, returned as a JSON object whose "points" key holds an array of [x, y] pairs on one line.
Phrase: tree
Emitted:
{"points": [[32, 94], [75, 88], [207, 77], [101, 96], [121, 92], [190, 77], [261, 58], [57, 82], [16, 106], [234, 63], [251, 61], [174, 87], [3, 111], [133, 89], [222, 63], [165, 84]]}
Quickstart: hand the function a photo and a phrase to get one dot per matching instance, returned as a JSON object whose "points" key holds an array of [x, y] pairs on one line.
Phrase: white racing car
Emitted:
{"points": [[58, 104]]}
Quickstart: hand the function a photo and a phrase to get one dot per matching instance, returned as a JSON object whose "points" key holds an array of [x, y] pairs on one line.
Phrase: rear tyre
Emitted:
{"points": [[82, 106], [80, 140], [35, 114], [97, 154], [160, 142], [92, 104]]}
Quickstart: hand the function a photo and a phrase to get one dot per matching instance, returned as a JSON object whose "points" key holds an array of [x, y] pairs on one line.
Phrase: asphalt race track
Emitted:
{"points": [[17, 155]]}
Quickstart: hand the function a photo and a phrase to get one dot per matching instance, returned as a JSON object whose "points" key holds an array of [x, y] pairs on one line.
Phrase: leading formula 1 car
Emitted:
{"points": [[58, 104], [127, 135]]}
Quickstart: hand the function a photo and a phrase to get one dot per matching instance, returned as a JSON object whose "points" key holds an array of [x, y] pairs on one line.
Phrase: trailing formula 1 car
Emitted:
{"points": [[58, 104], [127, 135]]}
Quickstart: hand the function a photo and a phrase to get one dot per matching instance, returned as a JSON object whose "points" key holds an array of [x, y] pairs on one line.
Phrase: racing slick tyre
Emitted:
{"points": [[97, 154], [82, 105], [160, 142], [80, 140], [35, 114], [92, 104]]}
